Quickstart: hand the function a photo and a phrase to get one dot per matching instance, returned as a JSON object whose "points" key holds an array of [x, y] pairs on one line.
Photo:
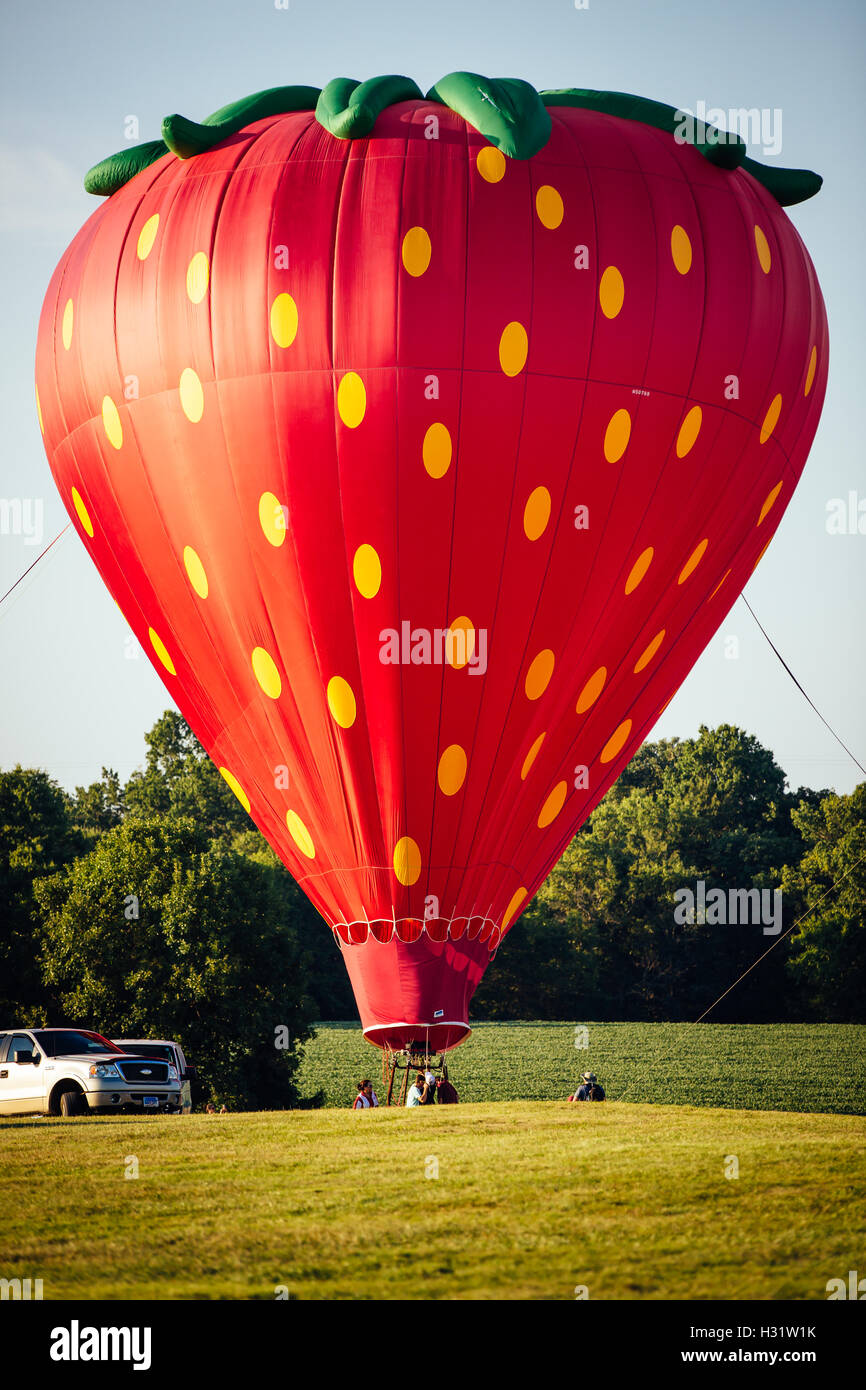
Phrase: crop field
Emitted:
{"points": [[801, 1067], [514, 1200]]}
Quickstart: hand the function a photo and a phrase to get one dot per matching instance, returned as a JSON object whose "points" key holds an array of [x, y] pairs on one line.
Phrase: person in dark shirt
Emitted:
{"points": [[590, 1088], [446, 1093]]}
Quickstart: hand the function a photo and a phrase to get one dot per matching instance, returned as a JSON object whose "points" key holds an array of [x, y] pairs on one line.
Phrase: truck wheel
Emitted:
{"points": [[70, 1104]]}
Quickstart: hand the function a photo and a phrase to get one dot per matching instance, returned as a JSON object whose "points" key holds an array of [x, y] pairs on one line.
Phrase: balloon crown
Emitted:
{"points": [[507, 111]]}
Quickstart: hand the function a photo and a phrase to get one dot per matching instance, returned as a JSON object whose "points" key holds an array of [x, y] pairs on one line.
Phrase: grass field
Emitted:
{"points": [[801, 1067], [531, 1201]]}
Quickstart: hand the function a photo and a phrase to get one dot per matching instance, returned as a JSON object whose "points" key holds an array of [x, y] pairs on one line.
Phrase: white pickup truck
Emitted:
{"points": [[68, 1071], [166, 1051]]}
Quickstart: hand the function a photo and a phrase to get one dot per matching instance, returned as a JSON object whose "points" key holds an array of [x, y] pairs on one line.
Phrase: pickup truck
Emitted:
{"points": [[166, 1051], [69, 1071]]}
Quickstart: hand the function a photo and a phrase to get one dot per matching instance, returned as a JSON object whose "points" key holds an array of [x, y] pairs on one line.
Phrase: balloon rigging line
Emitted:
{"points": [[36, 561], [806, 914], [802, 691]]}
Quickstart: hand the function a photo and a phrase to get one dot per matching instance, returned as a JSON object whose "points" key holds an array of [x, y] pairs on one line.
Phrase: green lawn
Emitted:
{"points": [[531, 1200], [802, 1067]]}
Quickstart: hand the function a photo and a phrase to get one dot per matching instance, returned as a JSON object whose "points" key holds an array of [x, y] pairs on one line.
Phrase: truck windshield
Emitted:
{"points": [[68, 1042]]}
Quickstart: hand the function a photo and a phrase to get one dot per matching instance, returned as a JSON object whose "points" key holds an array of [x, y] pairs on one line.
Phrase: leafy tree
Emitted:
{"points": [[179, 779], [157, 932], [99, 807], [828, 951], [713, 809], [541, 971], [321, 963], [36, 838]]}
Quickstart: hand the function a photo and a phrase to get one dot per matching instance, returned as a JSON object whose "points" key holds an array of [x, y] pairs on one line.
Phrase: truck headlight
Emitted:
{"points": [[105, 1069], [172, 1073]]}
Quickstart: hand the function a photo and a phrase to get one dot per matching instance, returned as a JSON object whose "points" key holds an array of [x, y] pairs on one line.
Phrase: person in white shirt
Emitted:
{"points": [[372, 1098], [416, 1090]]}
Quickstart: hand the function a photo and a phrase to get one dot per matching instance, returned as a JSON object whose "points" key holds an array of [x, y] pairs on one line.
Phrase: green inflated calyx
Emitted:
{"points": [[507, 111], [349, 109], [719, 147]]}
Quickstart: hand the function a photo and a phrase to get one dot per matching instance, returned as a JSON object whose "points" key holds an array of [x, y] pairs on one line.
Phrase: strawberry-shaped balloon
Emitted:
{"points": [[425, 442]]}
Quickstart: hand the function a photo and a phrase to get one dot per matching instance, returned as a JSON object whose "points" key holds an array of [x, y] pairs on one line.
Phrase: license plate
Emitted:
{"points": [[150, 1101]]}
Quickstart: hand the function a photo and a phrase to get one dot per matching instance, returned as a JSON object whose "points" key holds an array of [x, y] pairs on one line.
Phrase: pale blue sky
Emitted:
{"points": [[72, 700]]}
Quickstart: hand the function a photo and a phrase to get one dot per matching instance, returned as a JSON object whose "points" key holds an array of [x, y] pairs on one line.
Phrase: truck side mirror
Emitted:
{"points": [[24, 1058]]}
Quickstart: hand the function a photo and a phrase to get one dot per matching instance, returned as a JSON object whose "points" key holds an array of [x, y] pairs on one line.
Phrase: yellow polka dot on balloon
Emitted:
{"points": [[616, 741], [536, 513], [490, 163], [771, 418], [689, 431], [693, 561], [195, 571], [436, 450], [513, 907], [553, 805], [719, 585], [591, 691], [284, 320], [451, 772], [191, 395], [460, 643], [147, 236], [548, 205], [351, 400], [760, 558], [236, 788], [769, 501], [647, 655], [617, 435], [407, 861], [763, 248], [341, 702], [111, 422], [530, 757], [39, 412], [416, 251], [367, 571], [82, 512], [197, 277], [300, 834], [513, 348], [272, 518], [810, 373], [611, 292], [66, 326], [266, 673], [681, 249], [539, 674], [162, 651], [639, 569]]}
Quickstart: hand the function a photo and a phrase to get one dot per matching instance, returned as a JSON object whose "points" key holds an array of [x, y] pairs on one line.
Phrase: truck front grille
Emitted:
{"points": [[144, 1071]]}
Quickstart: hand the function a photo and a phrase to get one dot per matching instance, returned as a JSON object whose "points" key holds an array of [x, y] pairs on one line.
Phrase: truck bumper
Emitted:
{"points": [[128, 1099]]}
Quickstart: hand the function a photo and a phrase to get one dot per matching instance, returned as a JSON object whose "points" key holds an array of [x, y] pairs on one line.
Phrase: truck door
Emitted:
{"points": [[5, 1083], [22, 1089]]}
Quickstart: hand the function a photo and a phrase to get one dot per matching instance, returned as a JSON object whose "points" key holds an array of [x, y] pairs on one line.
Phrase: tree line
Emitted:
{"points": [[154, 908]]}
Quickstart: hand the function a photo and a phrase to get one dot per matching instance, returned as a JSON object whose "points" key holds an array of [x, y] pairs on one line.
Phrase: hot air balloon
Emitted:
{"points": [[425, 442]]}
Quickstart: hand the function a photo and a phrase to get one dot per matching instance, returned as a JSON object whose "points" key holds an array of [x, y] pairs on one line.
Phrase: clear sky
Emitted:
{"points": [[74, 696]]}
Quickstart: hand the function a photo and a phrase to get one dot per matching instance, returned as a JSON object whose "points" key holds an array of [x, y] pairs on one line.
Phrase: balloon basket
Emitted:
{"points": [[397, 1067]]}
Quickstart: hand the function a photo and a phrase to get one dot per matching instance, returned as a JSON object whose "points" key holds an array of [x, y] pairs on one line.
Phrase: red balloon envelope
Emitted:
{"points": [[424, 472]]}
